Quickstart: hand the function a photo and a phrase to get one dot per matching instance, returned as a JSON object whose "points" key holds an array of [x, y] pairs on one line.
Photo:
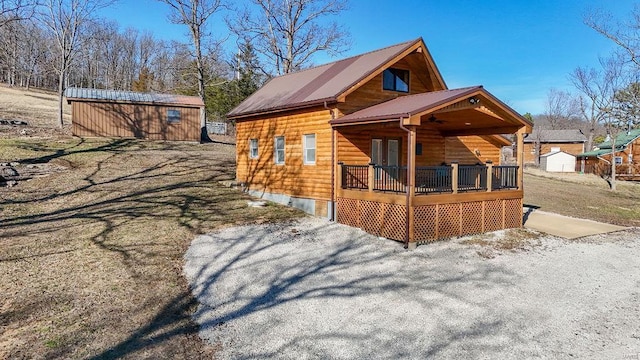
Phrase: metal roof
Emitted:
{"points": [[622, 141], [405, 106], [555, 136], [318, 84], [131, 96]]}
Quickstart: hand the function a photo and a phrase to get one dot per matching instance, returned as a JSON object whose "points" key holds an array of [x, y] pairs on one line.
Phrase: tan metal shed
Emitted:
{"points": [[128, 114]]}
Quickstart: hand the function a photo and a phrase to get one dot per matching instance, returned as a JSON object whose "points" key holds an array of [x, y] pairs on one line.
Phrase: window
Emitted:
{"points": [[173, 116], [396, 80], [309, 148], [618, 160], [279, 150], [253, 148]]}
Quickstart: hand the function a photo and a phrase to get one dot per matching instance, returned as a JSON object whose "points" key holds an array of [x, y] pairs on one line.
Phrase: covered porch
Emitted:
{"points": [[425, 167]]}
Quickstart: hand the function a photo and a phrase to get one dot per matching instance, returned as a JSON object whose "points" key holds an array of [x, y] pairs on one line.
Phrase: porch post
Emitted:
{"points": [[454, 177], [371, 176], [411, 182], [489, 175], [520, 156]]}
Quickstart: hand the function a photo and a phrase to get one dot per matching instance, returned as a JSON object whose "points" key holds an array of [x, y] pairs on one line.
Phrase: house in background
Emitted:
{"points": [[549, 141], [128, 114], [627, 157], [378, 141]]}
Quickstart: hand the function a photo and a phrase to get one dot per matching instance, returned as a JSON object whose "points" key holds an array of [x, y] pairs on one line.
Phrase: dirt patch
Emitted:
{"points": [[494, 243]]}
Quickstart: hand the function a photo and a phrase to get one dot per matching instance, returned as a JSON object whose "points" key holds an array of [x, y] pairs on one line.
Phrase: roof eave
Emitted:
{"points": [[298, 106]]}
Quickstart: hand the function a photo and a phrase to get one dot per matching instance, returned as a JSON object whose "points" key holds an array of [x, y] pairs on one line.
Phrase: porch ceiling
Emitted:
{"points": [[466, 111]]}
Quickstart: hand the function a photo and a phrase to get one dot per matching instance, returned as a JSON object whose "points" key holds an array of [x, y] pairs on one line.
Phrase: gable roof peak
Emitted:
{"points": [[328, 82]]}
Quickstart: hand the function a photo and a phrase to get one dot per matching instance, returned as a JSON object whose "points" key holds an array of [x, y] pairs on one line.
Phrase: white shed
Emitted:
{"points": [[558, 161]]}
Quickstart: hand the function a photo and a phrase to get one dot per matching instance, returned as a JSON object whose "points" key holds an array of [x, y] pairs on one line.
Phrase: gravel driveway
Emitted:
{"points": [[319, 290]]}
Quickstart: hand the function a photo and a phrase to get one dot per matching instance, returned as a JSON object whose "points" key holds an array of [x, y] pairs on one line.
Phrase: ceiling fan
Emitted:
{"points": [[433, 119]]}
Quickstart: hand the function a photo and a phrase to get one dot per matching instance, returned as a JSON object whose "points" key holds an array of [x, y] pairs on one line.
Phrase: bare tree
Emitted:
{"points": [[194, 14], [287, 33], [64, 20], [626, 35], [560, 109], [599, 89], [16, 10]]}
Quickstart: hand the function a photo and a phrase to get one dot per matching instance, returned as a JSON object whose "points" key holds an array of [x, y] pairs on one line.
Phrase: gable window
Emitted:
{"points": [[395, 80], [279, 150], [309, 148], [253, 148], [173, 116]]}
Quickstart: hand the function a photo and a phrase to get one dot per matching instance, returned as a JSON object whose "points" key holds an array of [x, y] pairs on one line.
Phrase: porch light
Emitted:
{"points": [[467, 124], [474, 100]]}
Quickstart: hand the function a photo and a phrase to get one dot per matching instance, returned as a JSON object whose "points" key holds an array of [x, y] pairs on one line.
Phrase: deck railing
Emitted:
{"points": [[434, 179], [504, 177], [430, 179], [472, 178], [390, 178], [355, 176]]}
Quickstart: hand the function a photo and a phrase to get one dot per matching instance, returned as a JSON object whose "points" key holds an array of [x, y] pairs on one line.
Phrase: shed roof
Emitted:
{"points": [[322, 83], [84, 94], [552, 153], [555, 136]]}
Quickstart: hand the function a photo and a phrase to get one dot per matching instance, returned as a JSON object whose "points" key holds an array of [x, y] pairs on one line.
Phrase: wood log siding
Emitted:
{"points": [[372, 93], [571, 148], [134, 121], [463, 150], [293, 178]]}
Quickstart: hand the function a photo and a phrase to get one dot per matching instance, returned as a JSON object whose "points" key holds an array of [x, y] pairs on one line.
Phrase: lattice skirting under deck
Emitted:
{"points": [[431, 222]]}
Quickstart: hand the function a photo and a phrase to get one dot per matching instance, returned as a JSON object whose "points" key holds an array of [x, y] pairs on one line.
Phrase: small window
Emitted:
{"points": [[173, 116], [309, 148], [395, 80], [618, 160], [253, 148], [279, 150]]}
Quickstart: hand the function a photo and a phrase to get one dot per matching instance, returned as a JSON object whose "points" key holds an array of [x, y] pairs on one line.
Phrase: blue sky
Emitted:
{"points": [[517, 49]]}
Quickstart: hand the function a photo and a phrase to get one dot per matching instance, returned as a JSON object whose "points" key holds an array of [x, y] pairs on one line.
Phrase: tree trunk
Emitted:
{"points": [[613, 164], [60, 94]]}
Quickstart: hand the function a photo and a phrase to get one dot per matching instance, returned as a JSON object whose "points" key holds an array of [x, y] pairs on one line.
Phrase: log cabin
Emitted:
{"points": [[544, 141], [627, 157], [378, 141]]}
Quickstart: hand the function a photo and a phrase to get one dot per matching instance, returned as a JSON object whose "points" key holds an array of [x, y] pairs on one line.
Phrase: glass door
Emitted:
{"points": [[392, 157], [376, 155]]}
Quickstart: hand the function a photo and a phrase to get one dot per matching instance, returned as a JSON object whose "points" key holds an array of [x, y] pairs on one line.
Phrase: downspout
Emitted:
{"points": [[333, 166], [409, 174]]}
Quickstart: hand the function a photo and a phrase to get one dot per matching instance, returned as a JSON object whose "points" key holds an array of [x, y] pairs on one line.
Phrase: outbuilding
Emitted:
{"points": [[558, 161], [129, 114]]}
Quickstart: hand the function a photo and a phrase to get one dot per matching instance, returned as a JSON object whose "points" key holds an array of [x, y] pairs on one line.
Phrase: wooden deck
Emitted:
{"points": [[452, 205]]}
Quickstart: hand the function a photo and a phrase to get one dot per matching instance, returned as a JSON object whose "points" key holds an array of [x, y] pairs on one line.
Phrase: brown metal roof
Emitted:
{"points": [[405, 106], [316, 85], [131, 97]]}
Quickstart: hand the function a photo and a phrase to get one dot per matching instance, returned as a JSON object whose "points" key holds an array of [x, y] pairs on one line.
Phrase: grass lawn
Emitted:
{"points": [[583, 196], [92, 255]]}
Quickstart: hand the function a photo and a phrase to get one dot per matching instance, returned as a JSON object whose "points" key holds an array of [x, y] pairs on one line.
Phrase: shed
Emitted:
{"points": [[558, 161], [129, 114]]}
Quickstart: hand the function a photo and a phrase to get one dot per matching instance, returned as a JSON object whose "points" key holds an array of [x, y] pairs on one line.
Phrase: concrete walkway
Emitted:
{"points": [[565, 226]]}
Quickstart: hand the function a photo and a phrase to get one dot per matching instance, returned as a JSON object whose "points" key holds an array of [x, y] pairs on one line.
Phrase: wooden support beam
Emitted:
{"points": [[520, 156]]}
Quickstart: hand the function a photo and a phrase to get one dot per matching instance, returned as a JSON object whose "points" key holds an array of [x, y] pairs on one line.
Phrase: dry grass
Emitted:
{"points": [[583, 196], [37, 107], [91, 256], [504, 240]]}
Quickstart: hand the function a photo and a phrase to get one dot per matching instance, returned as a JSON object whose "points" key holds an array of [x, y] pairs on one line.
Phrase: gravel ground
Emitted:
{"points": [[314, 289]]}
